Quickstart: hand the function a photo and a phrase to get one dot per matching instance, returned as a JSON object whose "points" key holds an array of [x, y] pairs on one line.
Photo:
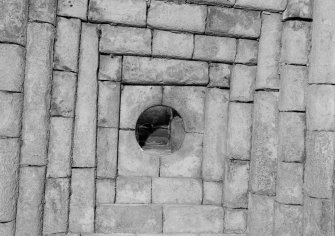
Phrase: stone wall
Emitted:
{"points": [[253, 81]]}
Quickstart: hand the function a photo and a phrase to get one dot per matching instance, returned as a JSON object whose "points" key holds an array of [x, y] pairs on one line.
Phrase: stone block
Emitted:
{"points": [[235, 188], [109, 104], [57, 193], [291, 146], [296, 42], [239, 131], [233, 22], [288, 220], [60, 143], [146, 70], [263, 166], [171, 44], [216, 122], [105, 191], [247, 51], [11, 112], [211, 48], [9, 162], [12, 63], [269, 52], [298, 9], [129, 218], [212, 193], [319, 166], [272, 5], [133, 190], [192, 219], [81, 216], [67, 44], [7, 229], [289, 189], [214, 2], [171, 16], [107, 142], [110, 68], [260, 215], [84, 143], [235, 221], [242, 83], [128, 12], [73, 8], [219, 75], [176, 191], [43, 11], [63, 93]]}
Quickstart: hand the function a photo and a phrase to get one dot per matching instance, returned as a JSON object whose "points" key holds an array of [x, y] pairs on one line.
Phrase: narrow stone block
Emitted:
{"points": [[73, 8], [233, 22], [288, 220], [212, 193], [11, 112], [133, 190], [109, 104], [7, 229], [273, 5], [235, 221], [43, 11], [247, 51], [110, 68], [105, 191], [242, 83], [298, 9], [214, 2], [219, 75]]}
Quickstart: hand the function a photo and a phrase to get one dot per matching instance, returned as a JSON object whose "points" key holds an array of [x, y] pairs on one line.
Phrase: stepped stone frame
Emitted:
{"points": [[253, 81]]}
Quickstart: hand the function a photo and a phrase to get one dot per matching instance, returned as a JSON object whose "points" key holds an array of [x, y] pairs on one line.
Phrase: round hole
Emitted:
{"points": [[160, 130]]}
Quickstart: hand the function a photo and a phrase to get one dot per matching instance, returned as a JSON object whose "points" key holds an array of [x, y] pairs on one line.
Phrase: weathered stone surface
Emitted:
{"points": [[110, 68], [298, 9], [7, 229], [288, 220], [192, 219], [260, 215], [239, 131], [85, 118], [105, 191], [233, 22], [12, 62], [269, 52], [216, 121], [59, 153], [30, 202], [109, 104], [13, 21], [212, 193], [128, 12], [146, 70], [235, 189], [295, 42], [176, 191], [11, 111], [38, 74], [129, 219], [291, 146], [247, 51], [133, 190], [107, 141], [242, 83], [214, 2], [9, 164], [125, 40], [63, 93], [73, 8], [319, 167], [320, 107], [57, 195], [170, 44], [235, 221], [263, 166], [42, 11], [274, 5], [67, 44], [219, 75], [81, 217], [170, 16]]}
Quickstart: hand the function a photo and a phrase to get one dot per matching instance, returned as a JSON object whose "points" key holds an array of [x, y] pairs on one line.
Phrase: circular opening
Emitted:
{"points": [[160, 129]]}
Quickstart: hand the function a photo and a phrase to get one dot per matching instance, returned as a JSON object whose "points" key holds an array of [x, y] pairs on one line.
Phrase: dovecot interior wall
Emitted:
{"points": [[248, 93]]}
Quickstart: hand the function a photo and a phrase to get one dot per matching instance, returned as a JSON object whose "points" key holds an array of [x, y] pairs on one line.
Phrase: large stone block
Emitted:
{"points": [[219, 75], [105, 191], [7, 229], [110, 68], [43, 11], [242, 83], [109, 104], [11, 111], [235, 221], [247, 51], [212, 193], [288, 220], [272, 5], [133, 190], [73, 8], [298, 9]]}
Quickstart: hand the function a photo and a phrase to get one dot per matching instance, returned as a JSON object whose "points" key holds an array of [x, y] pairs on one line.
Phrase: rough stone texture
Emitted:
{"points": [[63, 94], [274, 5], [59, 153], [192, 219], [235, 221], [242, 83], [212, 193], [67, 44], [176, 191], [38, 74], [125, 40], [146, 70], [239, 131], [298, 9], [214, 148], [269, 52], [105, 191], [13, 21], [85, 117], [108, 104], [170, 16], [129, 219], [7, 229], [133, 190], [214, 2], [109, 68], [170, 44], [42, 11], [219, 75], [263, 166], [247, 51], [295, 42], [9, 164], [30, 202], [291, 145], [233, 22], [319, 167], [73, 8], [288, 220], [81, 216], [12, 61], [128, 12]]}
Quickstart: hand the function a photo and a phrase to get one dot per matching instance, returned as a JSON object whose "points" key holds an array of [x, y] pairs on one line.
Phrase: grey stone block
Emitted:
{"points": [[109, 104]]}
